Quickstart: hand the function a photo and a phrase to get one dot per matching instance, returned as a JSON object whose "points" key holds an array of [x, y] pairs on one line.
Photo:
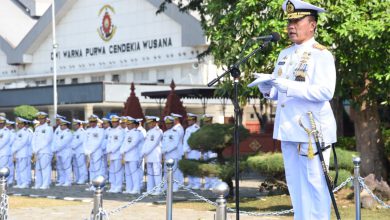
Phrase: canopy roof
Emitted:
{"points": [[197, 93]]}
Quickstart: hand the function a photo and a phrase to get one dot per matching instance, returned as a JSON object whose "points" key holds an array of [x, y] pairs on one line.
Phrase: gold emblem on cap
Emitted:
{"points": [[290, 8]]}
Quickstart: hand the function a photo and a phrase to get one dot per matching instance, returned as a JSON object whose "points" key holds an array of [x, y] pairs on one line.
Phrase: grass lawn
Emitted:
{"points": [[282, 202], [16, 202]]}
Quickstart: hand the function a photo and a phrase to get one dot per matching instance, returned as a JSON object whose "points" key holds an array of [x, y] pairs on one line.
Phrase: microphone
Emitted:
{"points": [[274, 36]]}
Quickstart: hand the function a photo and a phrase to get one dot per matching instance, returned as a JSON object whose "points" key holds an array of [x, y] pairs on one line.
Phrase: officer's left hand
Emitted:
{"points": [[280, 84]]}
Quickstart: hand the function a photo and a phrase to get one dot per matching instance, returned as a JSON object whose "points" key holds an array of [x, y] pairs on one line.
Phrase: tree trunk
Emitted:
{"points": [[338, 110], [369, 141]]}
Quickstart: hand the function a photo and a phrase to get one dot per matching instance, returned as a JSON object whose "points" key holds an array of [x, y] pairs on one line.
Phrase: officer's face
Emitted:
{"points": [[63, 127], [42, 120], [301, 30], [115, 124], [169, 125], [20, 125], [191, 122]]}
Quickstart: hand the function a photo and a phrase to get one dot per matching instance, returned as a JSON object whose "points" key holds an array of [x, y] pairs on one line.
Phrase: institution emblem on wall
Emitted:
{"points": [[107, 29]]}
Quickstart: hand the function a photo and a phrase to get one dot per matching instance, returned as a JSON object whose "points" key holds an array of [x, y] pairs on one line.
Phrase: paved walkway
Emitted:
{"points": [[152, 207]]}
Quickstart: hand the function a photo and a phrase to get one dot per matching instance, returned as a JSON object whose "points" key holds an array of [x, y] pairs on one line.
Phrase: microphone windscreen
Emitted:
{"points": [[275, 37]]}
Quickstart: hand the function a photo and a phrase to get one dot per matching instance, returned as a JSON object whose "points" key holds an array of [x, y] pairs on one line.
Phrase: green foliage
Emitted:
{"points": [[215, 137], [268, 163], [344, 158], [25, 111], [203, 168], [347, 143], [343, 175], [386, 138]]}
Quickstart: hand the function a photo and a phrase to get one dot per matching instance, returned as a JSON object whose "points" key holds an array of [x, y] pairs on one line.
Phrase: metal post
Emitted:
{"points": [[221, 190], [98, 183], [4, 173], [55, 45], [356, 186], [169, 164]]}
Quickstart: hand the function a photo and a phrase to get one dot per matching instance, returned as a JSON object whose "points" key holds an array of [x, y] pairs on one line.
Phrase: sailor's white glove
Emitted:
{"points": [[281, 84]]}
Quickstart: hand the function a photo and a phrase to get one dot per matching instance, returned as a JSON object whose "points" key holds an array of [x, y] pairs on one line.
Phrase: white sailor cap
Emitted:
{"points": [[77, 121], [151, 119], [9, 122], [207, 117], [191, 116], [93, 118], [168, 119], [58, 116], [21, 120], [2, 119], [174, 115], [115, 118], [105, 119], [41, 115], [64, 122], [297, 9], [130, 120], [139, 120]]}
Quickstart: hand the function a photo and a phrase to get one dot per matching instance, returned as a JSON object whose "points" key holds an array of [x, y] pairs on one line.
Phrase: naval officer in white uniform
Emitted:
{"points": [[304, 80]]}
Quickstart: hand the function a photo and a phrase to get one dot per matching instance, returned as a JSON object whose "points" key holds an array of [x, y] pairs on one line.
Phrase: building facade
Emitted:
{"points": [[102, 46]]}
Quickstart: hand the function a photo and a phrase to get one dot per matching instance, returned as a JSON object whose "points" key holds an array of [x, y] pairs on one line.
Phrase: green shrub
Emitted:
{"points": [[343, 175], [203, 168], [344, 158], [347, 143], [25, 111], [268, 163]]}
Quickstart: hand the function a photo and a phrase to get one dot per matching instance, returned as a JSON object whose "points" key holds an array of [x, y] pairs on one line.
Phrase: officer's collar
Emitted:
{"points": [[308, 43]]}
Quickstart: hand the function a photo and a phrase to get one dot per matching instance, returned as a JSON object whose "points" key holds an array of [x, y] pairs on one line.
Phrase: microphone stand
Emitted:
{"points": [[235, 73]]}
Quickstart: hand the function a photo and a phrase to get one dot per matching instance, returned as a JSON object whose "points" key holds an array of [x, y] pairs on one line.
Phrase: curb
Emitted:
{"points": [[51, 197]]}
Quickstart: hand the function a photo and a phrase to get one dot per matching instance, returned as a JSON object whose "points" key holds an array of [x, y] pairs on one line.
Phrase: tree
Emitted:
{"points": [[357, 32], [25, 111]]}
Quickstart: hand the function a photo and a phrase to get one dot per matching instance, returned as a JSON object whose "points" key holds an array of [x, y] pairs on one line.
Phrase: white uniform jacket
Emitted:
{"points": [[152, 145], [93, 142], [316, 64], [105, 139], [131, 145], [115, 140], [5, 136], [77, 141], [41, 140], [62, 143], [170, 144], [20, 147], [191, 154], [179, 128]]}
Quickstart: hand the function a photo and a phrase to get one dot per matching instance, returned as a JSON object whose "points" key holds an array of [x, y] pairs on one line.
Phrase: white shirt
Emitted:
{"points": [[20, 147], [152, 145], [132, 145], [115, 140], [41, 140], [170, 144], [313, 94]]}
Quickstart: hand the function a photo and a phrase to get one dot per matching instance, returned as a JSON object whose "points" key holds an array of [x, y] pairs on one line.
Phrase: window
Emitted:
{"points": [[40, 82], [97, 78], [75, 80], [60, 81], [115, 78], [141, 76]]}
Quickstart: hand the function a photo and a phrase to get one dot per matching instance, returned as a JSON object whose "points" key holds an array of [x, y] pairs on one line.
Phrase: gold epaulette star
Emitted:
{"points": [[319, 46]]}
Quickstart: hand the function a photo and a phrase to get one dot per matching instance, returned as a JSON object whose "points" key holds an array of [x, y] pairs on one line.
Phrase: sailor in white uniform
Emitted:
{"points": [[130, 150], [179, 128], [92, 147], [171, 148], [115, 140], [304, 80], [63, 151], [41, 146], [10, 125], [78, 156], [20, 150], [106, 125], [6, 159], [209, 182], [151, 151], [193, 182]]}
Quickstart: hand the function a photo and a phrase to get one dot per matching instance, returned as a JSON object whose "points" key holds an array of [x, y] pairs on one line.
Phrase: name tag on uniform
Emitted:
{"points": [[281, 63]]}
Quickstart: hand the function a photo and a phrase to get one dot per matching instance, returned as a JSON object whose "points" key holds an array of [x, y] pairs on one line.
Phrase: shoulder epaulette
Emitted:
{"points": [[288, 46], [319, 46]]}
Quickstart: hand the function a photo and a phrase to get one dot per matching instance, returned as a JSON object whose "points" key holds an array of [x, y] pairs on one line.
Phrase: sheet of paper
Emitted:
{"points": [[261, 78]]}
